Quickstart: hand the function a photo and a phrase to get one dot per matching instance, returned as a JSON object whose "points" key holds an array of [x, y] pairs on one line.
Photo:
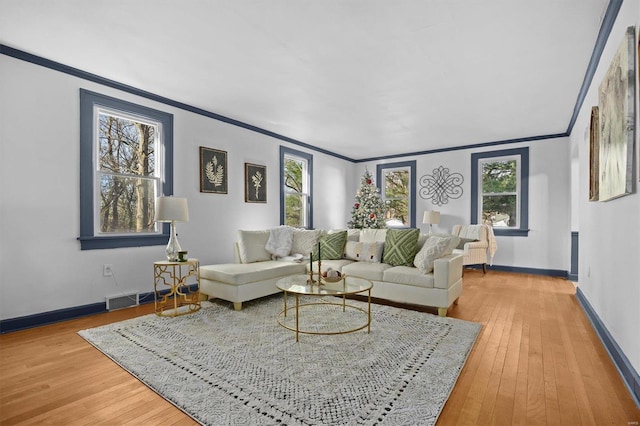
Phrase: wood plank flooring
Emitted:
{"points": [[536, 361]]}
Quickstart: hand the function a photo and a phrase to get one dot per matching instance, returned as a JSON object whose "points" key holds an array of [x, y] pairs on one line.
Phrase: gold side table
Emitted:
{"points": [[172, 287]]}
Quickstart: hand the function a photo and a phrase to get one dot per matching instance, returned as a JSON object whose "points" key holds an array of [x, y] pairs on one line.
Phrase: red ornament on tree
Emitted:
{"points": [[368, 181], [372, 216], [356, 205]]}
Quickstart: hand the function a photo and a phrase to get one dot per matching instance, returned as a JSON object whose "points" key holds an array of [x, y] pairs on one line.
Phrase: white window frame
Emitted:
{"points": [[307, 185], [410, 166], [157, 177], [482, 194]]}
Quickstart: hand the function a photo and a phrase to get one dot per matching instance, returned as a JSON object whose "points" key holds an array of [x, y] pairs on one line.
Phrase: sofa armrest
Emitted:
{"points": [[447, 271]]}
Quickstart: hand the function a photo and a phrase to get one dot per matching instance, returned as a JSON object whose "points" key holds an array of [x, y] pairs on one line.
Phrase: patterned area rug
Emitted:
{"points": [[224, 367]]}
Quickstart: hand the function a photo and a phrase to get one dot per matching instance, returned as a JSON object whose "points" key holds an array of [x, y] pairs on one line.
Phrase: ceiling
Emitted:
{"points": [[358, 78]]}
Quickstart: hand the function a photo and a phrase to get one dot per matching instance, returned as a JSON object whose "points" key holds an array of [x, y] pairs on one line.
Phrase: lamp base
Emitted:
{"points": [[173, 247]]}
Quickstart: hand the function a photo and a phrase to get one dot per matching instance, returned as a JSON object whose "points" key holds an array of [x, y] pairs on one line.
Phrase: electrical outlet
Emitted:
{"points": [[106, 270]]}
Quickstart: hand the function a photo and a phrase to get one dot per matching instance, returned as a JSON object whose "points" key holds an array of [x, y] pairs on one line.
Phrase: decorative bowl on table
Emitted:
{"points": [[333, 279]]}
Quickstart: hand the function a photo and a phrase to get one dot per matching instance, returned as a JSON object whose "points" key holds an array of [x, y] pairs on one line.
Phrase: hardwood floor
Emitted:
{"points": [[536, 361]]}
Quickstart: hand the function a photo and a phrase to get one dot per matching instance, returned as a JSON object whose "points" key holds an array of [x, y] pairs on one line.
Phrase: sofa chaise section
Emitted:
{"points": [[241, 282]]}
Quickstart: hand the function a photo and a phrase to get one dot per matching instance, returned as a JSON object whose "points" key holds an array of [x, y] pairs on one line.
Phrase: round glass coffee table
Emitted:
{"points": [[298, 285]]}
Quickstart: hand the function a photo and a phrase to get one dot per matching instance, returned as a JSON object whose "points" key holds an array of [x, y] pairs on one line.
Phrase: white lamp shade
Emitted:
{"points": [[172, 209], [431, 217]]}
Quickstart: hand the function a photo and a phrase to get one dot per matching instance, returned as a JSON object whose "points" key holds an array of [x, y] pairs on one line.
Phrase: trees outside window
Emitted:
{"points": [[295, 197], [397, 190], [125, 163], [126, 173], [500, 190]]}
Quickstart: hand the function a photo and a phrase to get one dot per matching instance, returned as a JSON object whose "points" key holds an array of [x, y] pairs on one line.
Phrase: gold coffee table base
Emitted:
{"points": [[283, 314]]}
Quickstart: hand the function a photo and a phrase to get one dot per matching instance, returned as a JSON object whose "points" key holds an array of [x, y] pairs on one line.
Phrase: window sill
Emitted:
{"points": [[96, 243], [510, 232]]}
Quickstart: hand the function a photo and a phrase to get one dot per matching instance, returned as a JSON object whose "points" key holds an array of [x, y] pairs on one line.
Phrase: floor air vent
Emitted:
{"points": [[122, 301]]}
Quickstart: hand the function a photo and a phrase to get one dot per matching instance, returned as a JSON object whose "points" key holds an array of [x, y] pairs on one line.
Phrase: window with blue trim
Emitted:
{"points": [[397, 184], [296, 183], [125, 164], [500, 190]]}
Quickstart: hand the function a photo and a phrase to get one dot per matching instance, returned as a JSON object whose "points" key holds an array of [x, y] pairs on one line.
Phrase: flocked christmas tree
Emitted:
{"points": [[368, 210]]}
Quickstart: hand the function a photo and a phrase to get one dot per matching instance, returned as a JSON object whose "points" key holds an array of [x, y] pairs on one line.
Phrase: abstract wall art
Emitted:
{"points": [[616, 98]]}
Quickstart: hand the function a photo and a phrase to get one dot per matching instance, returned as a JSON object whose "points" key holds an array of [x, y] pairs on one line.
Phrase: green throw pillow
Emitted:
{"points": [[331, 246], [400, 247]]}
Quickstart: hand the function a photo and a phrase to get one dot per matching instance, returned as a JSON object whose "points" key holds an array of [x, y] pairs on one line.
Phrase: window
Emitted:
{"points": [[296, 171], [500, 190], [397, 183], [125, 163]]}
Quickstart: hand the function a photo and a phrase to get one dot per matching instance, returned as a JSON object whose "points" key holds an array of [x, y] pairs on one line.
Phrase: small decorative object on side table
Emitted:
{"points": [[173, 283]]}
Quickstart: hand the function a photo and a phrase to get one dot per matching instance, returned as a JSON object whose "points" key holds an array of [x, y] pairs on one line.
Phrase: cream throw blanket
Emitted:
{"points": [[280, 241], [493, 245]]}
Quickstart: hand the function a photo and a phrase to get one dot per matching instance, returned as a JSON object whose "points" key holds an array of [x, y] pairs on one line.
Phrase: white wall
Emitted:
{"points": [[42, 266], [548, 244], [609, 232]]}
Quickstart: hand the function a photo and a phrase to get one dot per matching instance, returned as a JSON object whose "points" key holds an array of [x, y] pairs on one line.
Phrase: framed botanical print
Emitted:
{"points": [[213, 171], [255, 183]]}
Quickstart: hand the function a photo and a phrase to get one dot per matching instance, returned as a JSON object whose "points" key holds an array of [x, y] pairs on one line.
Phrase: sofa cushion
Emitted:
{"points": [[400, 246], [353, 235], [368, 235], [305, 241], [243, 273], [251, 246], [434, 248], [331, 245], [370, 271], [365, 252], [408, 276]]}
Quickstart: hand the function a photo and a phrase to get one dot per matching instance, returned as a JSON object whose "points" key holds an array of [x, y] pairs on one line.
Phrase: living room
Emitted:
{"points": [[44, 270]]}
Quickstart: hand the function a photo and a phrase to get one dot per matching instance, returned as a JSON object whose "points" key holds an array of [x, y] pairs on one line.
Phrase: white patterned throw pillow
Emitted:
{"points": [[305, 241], [365, 252], [434, 248]]}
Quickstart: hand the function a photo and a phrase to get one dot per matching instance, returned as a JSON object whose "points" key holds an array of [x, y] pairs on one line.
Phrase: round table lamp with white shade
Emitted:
{"points": [[432, 218], [172, 209]]}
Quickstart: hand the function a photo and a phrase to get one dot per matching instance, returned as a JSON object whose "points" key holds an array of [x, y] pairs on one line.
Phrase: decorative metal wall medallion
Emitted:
{"points": [[441, 185]]}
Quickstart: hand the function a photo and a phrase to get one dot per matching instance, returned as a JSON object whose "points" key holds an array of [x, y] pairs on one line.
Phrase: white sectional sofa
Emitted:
{"points": [[383, 256]]}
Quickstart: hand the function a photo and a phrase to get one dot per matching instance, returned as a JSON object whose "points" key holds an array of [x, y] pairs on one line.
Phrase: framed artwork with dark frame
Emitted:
{"points": [[255, 183], [213, 171]]}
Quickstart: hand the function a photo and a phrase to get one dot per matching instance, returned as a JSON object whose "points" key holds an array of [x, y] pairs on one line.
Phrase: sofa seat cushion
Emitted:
{"points": [[409, 276], [243, 273], [367, 270]]}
